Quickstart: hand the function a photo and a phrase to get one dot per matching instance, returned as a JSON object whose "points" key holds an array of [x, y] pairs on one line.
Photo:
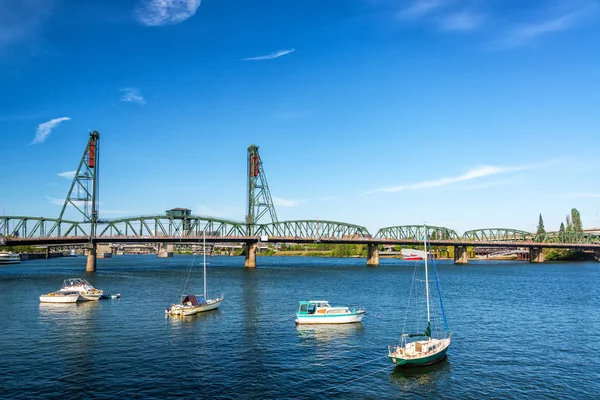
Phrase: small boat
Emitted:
{"points": [[72, 253], [428, 346], [85, 289], [112, 296], [320, 312], [60, 297], [8, 257], [190, 304], [413, 255]]}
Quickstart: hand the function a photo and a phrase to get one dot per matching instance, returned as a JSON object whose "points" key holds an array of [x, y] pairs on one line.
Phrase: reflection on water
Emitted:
{"points": [[328, 332], [190, 320], [420, 378], [67, 310]]}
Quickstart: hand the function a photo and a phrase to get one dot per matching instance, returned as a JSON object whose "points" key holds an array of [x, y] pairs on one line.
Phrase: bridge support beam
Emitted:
{"points": [[373, 255], [536, 255], [597, 255], [165, 250], [90, 266], [47, 252], [460, 255], [250, 251]]}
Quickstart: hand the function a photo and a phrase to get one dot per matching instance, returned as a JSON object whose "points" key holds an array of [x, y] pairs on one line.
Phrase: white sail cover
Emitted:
{"points": [[414, 254]]}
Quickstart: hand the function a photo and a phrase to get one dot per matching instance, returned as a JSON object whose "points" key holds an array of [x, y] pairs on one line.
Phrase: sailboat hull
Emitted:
{"points": [[419, 362]]}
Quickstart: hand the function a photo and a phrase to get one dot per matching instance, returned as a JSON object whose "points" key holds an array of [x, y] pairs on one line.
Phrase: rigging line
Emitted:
{"points": [[350, 381], [409, 297], [437, 285]]}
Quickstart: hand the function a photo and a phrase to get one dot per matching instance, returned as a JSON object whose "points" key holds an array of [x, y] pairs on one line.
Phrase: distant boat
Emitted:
{"points": [[430, 345], [320, 312], [191, 304], [8, 257], [72, 253], [414, 255]]}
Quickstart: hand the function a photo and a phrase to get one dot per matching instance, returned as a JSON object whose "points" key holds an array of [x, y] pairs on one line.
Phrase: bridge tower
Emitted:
{"points": [[259, 201], [83, 193]]}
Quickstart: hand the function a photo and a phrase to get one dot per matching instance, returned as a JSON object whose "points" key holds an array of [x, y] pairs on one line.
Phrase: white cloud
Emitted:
{"points": [[271, 56], [165, 12], [278, 201], [476, 173], [132, 95], [68, 174], [44, 129], [461, 21]]}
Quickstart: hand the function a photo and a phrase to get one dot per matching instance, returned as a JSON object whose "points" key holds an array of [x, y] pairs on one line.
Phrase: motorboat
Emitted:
{"points": [[413, 255], [60, 297], [85, 289], [321, 312], [8, 257]]}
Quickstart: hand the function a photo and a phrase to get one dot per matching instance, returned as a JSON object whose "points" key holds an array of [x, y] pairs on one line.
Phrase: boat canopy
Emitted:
{"points": [[191, 299]]}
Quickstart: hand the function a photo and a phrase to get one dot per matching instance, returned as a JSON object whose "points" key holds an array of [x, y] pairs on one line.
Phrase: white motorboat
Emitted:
{"points": [[8, 257], [60, 297], [193, 304], [320, 312], [85, 289]]}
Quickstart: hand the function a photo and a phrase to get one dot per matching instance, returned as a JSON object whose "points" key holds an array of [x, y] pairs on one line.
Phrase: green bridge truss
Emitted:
{"points": [[417, 232], [498, 235], [313, 229]]}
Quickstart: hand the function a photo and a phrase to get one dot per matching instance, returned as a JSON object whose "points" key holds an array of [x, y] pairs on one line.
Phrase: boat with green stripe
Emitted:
{"points": [[320, 312]]}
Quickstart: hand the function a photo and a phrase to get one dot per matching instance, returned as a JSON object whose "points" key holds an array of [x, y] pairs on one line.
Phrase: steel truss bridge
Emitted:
{"points": [[183, 227]]}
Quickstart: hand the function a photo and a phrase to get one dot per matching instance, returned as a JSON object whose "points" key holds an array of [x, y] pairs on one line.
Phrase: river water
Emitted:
{"points": [[520, 331]]}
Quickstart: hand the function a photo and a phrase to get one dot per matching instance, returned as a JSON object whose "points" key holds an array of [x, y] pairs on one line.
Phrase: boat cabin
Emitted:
{"points": [[313, 307]]}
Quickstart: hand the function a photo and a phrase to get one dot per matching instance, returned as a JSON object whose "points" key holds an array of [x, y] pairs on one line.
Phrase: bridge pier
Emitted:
{"points": [[103, 251], [373, 255], [536, 255], [250, 251], [47, 252], [165, 250], [597, 255], [460, 255], [90, 266]]}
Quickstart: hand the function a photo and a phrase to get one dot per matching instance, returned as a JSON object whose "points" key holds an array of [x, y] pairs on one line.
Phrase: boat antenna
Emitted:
{"points": [[426, 276], [204, 260]]}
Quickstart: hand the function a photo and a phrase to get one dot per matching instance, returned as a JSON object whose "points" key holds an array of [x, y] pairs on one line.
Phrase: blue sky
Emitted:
{"points": [[460, 113]]}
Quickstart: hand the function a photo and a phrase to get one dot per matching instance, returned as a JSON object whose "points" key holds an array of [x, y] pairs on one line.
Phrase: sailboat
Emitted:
{"points": [[425, 347], [191, 304]]}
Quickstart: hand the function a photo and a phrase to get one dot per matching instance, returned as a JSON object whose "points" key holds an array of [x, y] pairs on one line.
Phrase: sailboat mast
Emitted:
{"points": [[204, 262], [426, 275]]}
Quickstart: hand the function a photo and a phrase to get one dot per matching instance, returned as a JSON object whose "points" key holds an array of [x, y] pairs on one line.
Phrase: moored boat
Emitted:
{"points": [[190, 304], [425, 347], [60, 297], [413, 255], [86, 291], [8, 257], [320, 312]]}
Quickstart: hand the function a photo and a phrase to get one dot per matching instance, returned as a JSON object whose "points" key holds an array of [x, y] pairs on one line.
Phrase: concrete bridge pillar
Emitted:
{"points": [[536, 255], [47, 252], [250, 250], [460, 255], [90, 266], [597, 255], [103, 251], [165, 250], [373, 255]]}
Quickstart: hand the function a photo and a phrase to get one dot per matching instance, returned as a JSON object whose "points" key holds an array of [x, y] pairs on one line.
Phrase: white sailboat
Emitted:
{"points": [[191, 304], [423, 348]]}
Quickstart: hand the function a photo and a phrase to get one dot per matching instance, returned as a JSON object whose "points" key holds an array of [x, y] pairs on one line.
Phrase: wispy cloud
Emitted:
{"points": [[68, 174], [278, 201], [476, 173], [132, 95], [420, 8], [461, 21], [165, 12], [55, 201], [271, 56], [525, 33], [44, 129]]}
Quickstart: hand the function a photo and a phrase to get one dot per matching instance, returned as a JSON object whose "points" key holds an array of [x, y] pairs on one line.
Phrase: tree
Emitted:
{"points": [[576, 218], [540, 227], [562, 227], [569, 224]]}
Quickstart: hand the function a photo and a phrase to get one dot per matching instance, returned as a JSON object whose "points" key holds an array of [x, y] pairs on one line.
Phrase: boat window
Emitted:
{"points": [[312, 308], [303, 308]]}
